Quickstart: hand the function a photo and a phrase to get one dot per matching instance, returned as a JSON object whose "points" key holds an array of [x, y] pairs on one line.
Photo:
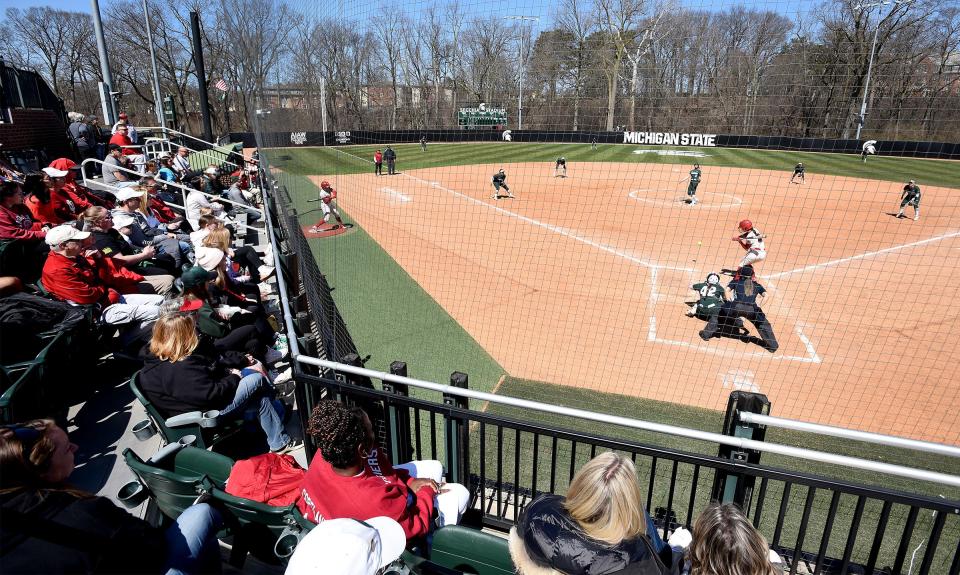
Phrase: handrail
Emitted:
{"points": [[738, 442], [169, 183], [879, 438], [166, 130]]}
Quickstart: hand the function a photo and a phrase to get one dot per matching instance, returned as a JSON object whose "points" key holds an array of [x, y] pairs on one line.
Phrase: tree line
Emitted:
{"points": [[648, 65]]}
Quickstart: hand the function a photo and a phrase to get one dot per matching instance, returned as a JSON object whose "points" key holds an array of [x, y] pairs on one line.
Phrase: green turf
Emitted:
{"points": [[388, 314], [351, 159]]}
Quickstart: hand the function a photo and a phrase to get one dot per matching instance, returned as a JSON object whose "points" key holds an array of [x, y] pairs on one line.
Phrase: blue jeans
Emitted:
{"points": [[192, 541], [255, 390]]}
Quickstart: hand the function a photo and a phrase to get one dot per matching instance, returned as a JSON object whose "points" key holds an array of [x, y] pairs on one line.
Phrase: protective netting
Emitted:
{"points": [[634, 139]]}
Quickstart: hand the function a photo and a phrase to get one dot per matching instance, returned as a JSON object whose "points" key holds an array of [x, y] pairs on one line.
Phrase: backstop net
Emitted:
{"points": [[637, 206]]}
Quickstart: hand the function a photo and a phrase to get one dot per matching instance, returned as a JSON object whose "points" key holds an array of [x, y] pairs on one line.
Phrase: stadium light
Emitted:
{"points": [[523, 62], [873, 48]]}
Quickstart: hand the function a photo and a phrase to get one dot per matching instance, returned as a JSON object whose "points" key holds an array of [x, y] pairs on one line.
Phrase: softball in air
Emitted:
{"points": [[699, 243]]}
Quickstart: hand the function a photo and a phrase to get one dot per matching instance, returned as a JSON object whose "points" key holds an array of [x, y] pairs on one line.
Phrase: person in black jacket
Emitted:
{"points": [[600, 527], [48, 527], [391, 157], [177, 379]]}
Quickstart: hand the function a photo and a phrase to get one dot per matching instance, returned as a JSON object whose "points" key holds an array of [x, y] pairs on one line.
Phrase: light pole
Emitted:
{"points": [[873, 48], [523, 62], [157, 97]]}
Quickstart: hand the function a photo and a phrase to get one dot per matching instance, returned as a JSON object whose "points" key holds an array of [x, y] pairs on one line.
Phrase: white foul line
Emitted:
{"points": [[862, 256], [552, 228]]}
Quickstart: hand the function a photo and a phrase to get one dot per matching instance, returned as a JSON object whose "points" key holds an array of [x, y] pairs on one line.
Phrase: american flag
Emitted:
{"points": [[221, 85]]}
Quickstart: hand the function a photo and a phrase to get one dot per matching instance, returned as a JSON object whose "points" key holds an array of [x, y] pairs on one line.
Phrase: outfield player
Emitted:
{"points": [[560, 169], [327, 197], [500, 181], [868, 149], [711, 297], [798, 170], [694, 178], [593, 144], [911, 196], [423, 143], [751, 240]]}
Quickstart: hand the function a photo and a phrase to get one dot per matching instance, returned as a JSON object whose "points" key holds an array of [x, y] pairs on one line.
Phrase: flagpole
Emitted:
{"points": [[226, 109]]}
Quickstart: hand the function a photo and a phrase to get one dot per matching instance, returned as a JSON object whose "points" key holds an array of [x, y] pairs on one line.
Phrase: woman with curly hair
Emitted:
{"points": [[49, 527], [351, 477], [600, 526], [726, 543]]}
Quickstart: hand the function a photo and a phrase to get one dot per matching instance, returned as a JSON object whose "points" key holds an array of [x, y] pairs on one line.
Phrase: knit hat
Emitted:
{"points": [[208, 258]]}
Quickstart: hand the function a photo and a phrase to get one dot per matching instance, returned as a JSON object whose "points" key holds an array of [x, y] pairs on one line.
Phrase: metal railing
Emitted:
{"points": [[173, 139], [831, 525]]}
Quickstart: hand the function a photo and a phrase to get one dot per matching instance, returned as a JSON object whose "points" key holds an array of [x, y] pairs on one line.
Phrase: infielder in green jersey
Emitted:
{"points": [[911, 196], [711, 298], [694, 178]]}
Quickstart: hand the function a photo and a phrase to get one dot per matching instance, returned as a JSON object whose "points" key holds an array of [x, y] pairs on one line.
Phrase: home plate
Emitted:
{"points": [[395, 195]]}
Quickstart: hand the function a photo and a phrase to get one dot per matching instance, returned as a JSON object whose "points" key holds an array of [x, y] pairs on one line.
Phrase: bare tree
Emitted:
{"points": [[618, 20], [576, 20]]}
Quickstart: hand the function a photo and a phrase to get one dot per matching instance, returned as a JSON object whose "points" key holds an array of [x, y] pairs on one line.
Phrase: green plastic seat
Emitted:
{"points": [[176, 482], [471, 551], [205, 436], [25, 395]]}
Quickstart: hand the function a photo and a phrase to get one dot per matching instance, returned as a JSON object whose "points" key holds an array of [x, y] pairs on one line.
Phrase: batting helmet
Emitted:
{"points": [[746, 225], [324, 184]]}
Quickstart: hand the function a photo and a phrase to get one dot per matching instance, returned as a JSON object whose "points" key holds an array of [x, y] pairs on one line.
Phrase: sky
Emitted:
{"points": [[541, 8]]}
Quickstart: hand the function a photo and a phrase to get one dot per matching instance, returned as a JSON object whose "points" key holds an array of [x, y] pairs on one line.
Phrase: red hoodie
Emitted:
{"points": [[378, 490], [17, 223]]}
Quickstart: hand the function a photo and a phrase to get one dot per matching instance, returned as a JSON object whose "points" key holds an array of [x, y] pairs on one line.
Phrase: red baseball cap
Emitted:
{"points": [[191, 305], [123, 115], [64, 164]]}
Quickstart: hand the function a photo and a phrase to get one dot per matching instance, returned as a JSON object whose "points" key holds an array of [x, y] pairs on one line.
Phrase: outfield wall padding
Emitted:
{"points": [[939, 150]]}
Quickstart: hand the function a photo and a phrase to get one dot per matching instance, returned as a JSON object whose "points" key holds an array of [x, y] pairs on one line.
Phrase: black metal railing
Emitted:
{"points": [[817, 524]]}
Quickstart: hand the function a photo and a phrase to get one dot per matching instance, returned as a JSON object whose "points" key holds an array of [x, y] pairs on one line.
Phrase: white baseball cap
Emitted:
{"points": [[122, 220], [211, 171], [58, 235], [208, 258], [55, 173], [348, 547], [128, 193]]}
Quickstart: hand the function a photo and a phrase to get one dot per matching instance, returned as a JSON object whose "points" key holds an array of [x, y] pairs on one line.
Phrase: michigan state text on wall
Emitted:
{"points": [[669, 139]]}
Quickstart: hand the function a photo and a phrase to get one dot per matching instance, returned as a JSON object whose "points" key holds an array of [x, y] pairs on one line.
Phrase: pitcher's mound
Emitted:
{"points": [[325, 231]]}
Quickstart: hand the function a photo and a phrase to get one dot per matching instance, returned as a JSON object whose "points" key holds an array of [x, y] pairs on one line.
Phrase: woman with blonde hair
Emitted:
{"points": [[726, 543], [600, 526], [177, 379], [245, 256]]}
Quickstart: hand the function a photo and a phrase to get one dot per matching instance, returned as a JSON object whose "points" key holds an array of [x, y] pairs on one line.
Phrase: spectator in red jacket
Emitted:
{"points": [[76, 273], [351, 477], [56, 182], [79, 194], [16, 221], [24, 251], [48, 209], [129, 149]]}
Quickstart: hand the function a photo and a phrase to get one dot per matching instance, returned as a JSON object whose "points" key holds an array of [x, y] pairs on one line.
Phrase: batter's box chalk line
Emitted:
{"points": [[739, 379], [704, 199], [811, 357], [395, 195]]}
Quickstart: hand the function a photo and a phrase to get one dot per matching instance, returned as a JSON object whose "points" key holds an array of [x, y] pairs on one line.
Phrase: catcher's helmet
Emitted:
{"points": [[713, 278], [745, 271], [324, 184], [746, 225]]}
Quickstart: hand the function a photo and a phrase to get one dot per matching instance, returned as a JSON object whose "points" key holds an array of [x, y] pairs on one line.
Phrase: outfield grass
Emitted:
{"points": [[350, 160]]}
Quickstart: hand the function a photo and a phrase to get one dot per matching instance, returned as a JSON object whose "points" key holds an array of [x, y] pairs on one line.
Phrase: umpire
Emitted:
{"points": [[744, 291], [391, 157]]}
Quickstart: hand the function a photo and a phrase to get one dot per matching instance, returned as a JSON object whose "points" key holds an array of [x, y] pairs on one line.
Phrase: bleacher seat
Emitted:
{"points": [[174, 428], [25, 391], [471, 551]]}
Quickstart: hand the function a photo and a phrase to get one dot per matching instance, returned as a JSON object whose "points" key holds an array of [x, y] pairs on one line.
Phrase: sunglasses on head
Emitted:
{"points": [[26, 434]]}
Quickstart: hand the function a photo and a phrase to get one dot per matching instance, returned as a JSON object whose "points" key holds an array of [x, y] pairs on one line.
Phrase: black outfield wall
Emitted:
{"points": [[941, 150]]}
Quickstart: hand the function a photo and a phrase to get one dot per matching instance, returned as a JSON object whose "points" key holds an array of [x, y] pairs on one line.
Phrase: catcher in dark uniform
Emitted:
{"points": [[711, 297], [500, 181], [910, 196], [743, 305]]}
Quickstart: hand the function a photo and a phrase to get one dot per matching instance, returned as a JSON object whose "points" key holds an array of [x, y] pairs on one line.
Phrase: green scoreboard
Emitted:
{"points": [[482, 117]]}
